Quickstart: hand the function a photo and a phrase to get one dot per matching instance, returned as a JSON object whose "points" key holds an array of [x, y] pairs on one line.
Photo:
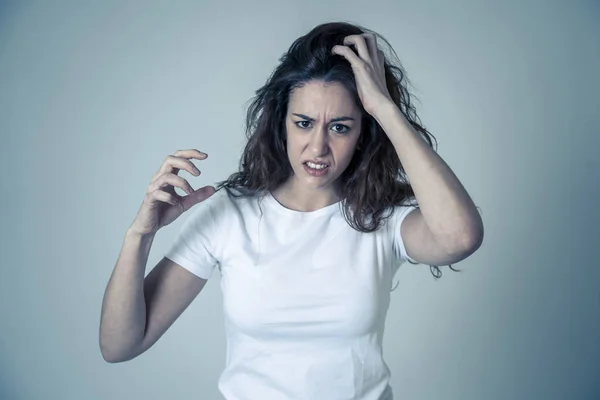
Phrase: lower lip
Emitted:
{"points": [[315, 172]]}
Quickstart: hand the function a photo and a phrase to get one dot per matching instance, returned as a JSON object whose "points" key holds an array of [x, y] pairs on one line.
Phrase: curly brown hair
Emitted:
{"points": [[374, 181]]}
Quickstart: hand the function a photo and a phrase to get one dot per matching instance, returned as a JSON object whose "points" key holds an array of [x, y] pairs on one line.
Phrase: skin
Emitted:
{"points": [[332, 142]]}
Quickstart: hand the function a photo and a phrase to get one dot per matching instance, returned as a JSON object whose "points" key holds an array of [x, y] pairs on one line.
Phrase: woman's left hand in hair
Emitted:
{"points": [[368, 67]]}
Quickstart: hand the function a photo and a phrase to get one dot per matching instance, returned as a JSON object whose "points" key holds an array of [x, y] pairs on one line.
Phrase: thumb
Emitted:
{"points": [[198, 196], [202, 194]]}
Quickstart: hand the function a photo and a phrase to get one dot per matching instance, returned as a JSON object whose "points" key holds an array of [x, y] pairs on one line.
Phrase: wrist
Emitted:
{"points": [[133, 233]]}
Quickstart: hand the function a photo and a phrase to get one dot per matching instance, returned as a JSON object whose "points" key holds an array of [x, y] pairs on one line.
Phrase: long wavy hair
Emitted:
{"points": [[374, 181]]}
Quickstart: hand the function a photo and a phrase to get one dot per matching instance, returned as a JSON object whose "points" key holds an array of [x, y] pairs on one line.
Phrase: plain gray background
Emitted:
{"points": [[94, 96]]}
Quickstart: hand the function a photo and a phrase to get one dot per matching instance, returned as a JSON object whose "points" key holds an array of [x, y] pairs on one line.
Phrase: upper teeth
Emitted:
{"points": [[316, 166]]}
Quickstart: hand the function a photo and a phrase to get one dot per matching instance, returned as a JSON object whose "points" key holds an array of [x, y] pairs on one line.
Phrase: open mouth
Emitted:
{"points": [[315, 169]]}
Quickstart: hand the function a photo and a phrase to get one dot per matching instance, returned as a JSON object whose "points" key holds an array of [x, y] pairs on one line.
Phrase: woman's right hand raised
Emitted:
{"points": [[162, 205]]}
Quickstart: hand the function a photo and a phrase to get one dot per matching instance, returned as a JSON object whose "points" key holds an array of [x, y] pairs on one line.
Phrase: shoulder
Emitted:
{"points": [[224, 197], [397, 213], [231, 201]]}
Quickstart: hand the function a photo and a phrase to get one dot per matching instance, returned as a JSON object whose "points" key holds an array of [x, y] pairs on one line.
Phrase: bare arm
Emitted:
{"points": [[136, 311], [123, 316]]}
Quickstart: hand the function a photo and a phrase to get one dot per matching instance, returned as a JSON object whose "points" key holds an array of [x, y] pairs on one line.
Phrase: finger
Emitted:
{"points": [[361, 46], [190, 153], [170, 181], [374, 51], [381, 58], [198, 196], [377, 57], [347, 53], [159, 195], [174, 164]]}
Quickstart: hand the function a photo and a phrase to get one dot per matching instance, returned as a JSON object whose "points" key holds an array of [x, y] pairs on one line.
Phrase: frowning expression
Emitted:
{"points": [[323, 125]]}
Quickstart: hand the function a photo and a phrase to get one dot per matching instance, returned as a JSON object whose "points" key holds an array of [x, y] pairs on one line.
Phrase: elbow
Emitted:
{"points": [[477, 238], [110, 360], [465, 244], [108, 355], [473, 240], [112, 355]]}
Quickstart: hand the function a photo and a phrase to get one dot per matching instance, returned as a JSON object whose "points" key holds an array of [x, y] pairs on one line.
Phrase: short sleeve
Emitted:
{"points": [[193, 246], [400, 213]]}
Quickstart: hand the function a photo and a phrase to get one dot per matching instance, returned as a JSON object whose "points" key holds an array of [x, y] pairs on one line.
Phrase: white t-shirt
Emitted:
{"points": [[305, 296]]}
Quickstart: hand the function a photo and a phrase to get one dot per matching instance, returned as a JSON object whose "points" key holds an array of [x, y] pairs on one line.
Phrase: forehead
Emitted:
{"points": [[318, 97]]}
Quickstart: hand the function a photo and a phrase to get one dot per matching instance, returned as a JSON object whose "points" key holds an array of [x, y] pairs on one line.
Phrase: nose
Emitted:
{"points": [[319, 142]]}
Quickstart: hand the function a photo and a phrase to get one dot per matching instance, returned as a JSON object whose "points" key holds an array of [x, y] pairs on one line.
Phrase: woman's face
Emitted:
{"points": [[323, 125]]}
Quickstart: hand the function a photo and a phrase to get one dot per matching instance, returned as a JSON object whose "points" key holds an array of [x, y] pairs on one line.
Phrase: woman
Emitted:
{"points": [[307, 235]]}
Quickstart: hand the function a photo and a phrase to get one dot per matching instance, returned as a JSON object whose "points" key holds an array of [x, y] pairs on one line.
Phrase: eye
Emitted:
{"points": [[341, 128], [301, 122], [344, 127]]}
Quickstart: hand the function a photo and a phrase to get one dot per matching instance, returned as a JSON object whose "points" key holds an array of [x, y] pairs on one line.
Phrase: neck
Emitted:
{"points": [[302, 199]]}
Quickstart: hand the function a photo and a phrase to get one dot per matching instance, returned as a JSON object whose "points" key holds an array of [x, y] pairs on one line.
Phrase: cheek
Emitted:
{"points": [[348, 151], [289, 143]]}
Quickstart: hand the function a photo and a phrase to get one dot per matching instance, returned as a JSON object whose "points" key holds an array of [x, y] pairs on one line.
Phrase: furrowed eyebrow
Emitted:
{"points": [[332, 120]]}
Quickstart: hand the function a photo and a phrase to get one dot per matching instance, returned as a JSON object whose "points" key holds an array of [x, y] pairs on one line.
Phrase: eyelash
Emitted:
{"points": [[345, 127]]}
